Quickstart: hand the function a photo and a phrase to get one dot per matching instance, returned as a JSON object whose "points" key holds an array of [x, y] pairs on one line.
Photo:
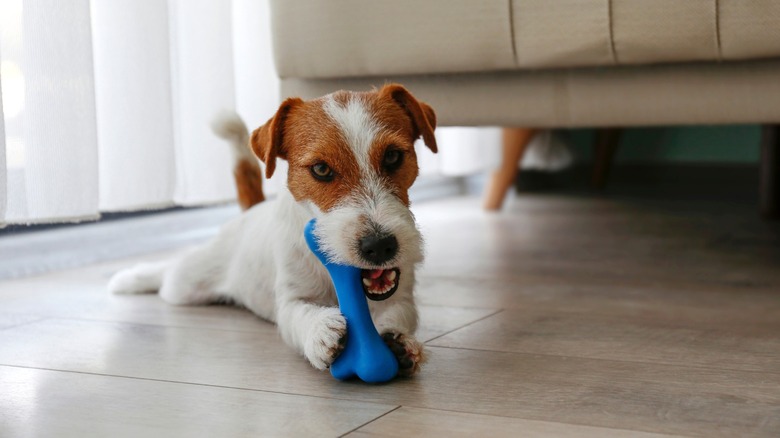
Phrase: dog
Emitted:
{"points": [[351, 162]]}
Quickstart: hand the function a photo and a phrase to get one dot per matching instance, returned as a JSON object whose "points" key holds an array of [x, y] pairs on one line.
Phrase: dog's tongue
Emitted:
{"points": [[373, 273]]}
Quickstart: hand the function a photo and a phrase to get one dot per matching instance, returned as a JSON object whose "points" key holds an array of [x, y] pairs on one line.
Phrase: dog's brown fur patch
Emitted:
{"points": [[249, 183], [303, 134], [315, 138]]}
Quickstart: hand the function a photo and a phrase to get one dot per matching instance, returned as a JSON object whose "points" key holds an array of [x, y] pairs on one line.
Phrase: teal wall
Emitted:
{"points": [[694, 144]]}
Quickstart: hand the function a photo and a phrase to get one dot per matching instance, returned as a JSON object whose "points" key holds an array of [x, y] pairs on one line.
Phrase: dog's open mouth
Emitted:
{"points": [[380, 284]]}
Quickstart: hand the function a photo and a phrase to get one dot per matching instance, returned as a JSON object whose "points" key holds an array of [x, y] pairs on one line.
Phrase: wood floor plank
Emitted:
{"points": [[81, 293], [752, 346], [86, 298], [581, 239], [615, 315], [602, 393], [43, 403], [11, 319], [736, 303], [416, 422]]}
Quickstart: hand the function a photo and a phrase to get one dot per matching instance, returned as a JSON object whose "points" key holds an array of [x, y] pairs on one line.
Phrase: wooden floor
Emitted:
{"points": [[562, 316]]}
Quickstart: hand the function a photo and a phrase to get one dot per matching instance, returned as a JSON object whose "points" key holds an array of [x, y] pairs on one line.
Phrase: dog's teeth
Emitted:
{"points": [[367, 282], [391, 276]]}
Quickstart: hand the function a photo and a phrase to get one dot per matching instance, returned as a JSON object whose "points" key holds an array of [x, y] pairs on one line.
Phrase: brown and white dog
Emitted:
{"points": [[351, 162]]}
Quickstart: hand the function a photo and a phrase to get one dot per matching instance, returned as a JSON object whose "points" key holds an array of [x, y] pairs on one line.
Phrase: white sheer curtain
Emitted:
{"points": [[106, 105], [136, 163], [49, 111]]}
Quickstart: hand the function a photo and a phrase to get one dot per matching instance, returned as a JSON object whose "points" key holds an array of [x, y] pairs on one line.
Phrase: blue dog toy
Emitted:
{"points": [[365, 354]]}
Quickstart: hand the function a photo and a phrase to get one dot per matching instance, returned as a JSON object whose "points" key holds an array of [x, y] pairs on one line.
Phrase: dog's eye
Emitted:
{"points": [[392, 159], [322, 172]]}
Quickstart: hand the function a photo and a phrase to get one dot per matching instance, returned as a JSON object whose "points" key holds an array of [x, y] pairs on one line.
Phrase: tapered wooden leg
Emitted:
{"points": [[770, 172], [604, 148], [514, 143]]}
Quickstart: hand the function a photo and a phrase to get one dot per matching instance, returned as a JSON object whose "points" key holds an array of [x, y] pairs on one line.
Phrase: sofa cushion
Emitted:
{"points": [[328, 38], [563, 33], [351, 38], [653, 31], [749, 29]]}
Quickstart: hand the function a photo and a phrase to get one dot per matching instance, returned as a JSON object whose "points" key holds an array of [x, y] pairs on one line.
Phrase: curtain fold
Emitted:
{"points": [[257, 86], [49, 111], [134, 108], [106, 105], [203, 83], [60, 131]]}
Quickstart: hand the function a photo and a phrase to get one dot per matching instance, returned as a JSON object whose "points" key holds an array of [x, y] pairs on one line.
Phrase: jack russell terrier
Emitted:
{"points": [[351, 162]]}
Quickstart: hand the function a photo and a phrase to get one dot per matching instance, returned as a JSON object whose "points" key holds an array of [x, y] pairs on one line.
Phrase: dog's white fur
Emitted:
{"points": [[260, 259]]}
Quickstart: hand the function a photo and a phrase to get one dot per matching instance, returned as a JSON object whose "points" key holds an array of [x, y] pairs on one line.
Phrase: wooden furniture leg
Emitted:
{"points": [[604, 148], [514, 143], [769, 191]]}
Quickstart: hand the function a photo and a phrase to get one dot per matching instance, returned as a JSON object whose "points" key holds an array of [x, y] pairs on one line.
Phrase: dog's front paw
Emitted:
{"points": [[408, 351], [326, 339]]}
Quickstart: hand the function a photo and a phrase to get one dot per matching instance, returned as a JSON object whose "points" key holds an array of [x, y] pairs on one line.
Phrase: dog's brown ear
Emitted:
{"points": [[422, 115], [268, 140]]}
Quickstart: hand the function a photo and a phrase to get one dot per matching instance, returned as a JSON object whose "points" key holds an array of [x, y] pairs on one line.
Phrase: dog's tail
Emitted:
{"points": [[246, 170]]}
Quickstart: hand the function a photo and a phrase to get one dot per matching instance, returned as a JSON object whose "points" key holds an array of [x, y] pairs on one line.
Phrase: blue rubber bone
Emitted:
{"points": [[365, 354]]}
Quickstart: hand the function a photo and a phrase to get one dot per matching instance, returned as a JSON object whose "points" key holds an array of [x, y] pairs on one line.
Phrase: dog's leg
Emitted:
{"points": [[408, 350], [315, 331], [396, 321], [192, 279]]}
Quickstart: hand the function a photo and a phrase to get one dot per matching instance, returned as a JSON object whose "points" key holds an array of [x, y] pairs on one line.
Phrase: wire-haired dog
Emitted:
{"points": [[351, 162]]}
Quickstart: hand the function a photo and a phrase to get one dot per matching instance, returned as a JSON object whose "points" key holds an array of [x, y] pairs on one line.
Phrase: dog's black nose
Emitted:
{"points": [[378, 248]]}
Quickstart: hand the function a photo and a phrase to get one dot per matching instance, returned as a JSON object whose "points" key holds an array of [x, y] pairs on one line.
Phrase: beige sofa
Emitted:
{"points": [[547, 63]]}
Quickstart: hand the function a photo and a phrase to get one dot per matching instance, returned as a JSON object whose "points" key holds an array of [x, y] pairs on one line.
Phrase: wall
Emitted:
{"points": [[737, 144]]}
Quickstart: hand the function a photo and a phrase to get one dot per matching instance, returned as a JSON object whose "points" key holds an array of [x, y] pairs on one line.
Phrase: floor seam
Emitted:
{"points": [[371, 421], [112, 321], [540, 420], [42, 318], [397, 407], [178, 382], [465, 325], [692, 367]]}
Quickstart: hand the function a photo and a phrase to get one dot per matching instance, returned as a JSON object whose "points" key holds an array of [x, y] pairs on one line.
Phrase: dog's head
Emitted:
{"points": [[351, 162]]}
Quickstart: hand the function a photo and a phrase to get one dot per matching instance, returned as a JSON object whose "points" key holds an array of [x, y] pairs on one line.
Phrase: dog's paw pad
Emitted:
{"points": [[327, 340], [408, 351]]}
